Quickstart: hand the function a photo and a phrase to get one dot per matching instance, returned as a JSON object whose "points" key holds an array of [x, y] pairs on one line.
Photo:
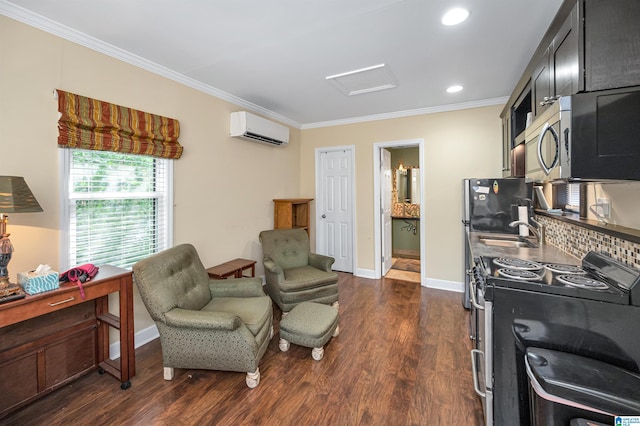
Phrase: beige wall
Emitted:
{"points": [[457, 145], [223, 187], [624, 200]]}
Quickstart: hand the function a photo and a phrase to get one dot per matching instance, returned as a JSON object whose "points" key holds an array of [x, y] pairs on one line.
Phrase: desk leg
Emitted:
{"points": [[127, 333]]}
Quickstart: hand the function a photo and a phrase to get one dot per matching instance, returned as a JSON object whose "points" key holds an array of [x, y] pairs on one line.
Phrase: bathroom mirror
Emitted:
{"points": [[407, 182]]}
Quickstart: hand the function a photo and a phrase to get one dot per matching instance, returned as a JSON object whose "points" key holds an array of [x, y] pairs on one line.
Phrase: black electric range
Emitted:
{"points": [[591, 309], [598, 278]]}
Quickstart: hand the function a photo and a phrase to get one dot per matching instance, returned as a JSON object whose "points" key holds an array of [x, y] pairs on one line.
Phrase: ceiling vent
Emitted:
{"points": [[365, 80], [245, 125]]}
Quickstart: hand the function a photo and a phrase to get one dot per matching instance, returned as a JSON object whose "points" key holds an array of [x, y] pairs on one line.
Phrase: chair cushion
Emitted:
{"points": [[309, 324], [306, 277], [254, 312]]}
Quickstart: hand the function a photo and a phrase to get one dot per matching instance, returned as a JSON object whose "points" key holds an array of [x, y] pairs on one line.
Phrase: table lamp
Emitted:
{"points": [[15, 197]]}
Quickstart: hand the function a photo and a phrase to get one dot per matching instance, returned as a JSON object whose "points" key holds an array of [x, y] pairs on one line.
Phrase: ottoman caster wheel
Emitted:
{"points": [[317, 353], [284, 345], [101, 370], [126, 385]]}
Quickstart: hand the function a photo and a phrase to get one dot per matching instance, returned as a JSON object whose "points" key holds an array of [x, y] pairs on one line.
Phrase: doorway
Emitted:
{"points": [[403, 255]]}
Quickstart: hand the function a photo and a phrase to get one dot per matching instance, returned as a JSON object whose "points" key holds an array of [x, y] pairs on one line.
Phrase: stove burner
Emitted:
{"points": [[565, 269], [511, 263], [519, 274], [581, 281]]}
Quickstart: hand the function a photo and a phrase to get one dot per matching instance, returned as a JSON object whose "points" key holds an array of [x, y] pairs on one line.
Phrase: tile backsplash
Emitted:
{"points": [[578, 241]]}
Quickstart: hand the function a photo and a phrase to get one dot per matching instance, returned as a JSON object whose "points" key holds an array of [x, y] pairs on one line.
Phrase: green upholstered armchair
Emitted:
{"points": [[294, 274], [204, 323]]}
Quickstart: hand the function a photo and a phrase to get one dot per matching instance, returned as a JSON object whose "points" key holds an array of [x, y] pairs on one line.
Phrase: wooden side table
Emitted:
{"points": [[233, 268]]}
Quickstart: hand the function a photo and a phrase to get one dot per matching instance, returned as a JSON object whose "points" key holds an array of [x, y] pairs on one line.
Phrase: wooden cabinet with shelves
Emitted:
{"points": [[49, 339], [292, 213]]}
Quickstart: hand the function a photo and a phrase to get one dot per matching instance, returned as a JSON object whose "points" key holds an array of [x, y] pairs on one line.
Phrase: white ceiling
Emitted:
{"points": [[273, 56]]}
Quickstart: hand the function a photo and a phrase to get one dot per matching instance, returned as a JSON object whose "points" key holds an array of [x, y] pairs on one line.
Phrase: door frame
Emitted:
{"points": [[377, 204], [352, 195]]}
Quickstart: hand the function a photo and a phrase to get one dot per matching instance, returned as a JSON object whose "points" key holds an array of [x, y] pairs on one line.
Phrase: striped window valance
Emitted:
{"points": [[87, 123]]}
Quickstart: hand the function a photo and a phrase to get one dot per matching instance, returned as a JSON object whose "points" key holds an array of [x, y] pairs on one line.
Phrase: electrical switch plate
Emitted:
{"points": [[605, 207]]}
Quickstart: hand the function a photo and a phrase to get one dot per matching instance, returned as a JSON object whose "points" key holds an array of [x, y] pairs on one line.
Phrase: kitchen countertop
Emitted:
{"points": [[545, 253]]}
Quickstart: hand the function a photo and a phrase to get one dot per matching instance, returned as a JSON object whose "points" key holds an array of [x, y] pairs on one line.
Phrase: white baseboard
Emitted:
{"points": [[365, 273], [456, 286], [141, 337]]}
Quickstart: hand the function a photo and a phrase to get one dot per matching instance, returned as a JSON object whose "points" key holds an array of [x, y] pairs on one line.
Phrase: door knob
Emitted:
{"points": [[324, 216]]}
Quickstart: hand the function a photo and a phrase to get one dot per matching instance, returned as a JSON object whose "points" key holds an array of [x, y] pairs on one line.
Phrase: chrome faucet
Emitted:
{"points": [[537, 230]]}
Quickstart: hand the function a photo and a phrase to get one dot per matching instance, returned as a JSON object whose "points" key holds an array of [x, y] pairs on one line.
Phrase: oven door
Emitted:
{"points": [[481, 357]]}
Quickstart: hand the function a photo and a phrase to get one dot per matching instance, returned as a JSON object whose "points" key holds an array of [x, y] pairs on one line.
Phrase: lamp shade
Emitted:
{"points": [[16, 197]]}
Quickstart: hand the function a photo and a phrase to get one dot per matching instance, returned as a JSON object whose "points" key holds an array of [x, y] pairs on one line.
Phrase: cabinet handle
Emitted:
{"points": [[71, 299], [548, 100]]}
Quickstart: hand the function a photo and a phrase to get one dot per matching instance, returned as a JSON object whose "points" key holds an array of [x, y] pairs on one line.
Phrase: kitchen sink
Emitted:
{"points": [[506, 241]]}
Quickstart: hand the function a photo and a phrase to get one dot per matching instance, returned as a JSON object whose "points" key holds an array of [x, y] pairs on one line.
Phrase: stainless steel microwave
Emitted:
{"points": [[588, 136]]}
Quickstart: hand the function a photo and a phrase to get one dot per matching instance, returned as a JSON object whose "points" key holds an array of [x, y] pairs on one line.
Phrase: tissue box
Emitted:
{"points": [[33, 283]]}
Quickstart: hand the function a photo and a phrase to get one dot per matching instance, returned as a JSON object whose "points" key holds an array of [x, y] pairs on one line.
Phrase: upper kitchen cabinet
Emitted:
{"points": [[557, 71], [612, 44]]}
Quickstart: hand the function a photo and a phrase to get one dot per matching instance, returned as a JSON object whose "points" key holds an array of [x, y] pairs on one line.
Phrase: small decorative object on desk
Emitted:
{"points": [[39, 280], [79, 275]]}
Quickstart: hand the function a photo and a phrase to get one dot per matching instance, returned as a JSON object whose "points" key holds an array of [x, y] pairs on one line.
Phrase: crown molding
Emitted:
{"points": [[45, 24], [52, 27], [409, 113]]}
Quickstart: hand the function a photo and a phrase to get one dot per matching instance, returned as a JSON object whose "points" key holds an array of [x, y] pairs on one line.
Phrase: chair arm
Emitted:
{"points": [[321, 262], [272, 266], [236, 287], [186, 318]]}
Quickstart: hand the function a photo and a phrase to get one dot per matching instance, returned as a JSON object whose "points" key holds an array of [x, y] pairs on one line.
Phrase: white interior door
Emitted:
{"points": [[335, 207], [385, 197]]}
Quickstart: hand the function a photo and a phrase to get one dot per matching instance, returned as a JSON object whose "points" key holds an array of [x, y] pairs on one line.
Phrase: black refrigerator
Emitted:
{"points": [[489, 206]]}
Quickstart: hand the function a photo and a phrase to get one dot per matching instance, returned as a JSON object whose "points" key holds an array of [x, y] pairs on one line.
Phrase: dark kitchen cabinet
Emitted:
{"points": [[541, 85], [558, 70], [612, 44], [513, 126]]}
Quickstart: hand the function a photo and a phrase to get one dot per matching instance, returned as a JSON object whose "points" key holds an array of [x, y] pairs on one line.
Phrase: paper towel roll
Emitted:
{"points": [[523, 216]]}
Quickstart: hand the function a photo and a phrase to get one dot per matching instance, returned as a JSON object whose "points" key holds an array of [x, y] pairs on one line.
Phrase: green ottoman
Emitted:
{"points": [[311, 325]]}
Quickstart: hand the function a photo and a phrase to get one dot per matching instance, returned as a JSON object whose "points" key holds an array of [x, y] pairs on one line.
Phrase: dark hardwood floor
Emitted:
{"points": [[402, 358]]}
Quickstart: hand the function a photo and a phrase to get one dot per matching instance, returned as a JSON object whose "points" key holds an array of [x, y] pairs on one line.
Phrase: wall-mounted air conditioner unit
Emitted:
{"points": [[248, 126]]}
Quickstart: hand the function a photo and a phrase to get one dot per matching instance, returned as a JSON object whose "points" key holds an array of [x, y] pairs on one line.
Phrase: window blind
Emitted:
{"points": [[573, 197], [118, 207]]}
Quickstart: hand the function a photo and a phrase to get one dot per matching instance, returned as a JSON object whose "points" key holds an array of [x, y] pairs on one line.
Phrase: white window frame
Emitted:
{"points": [[65, 203]]}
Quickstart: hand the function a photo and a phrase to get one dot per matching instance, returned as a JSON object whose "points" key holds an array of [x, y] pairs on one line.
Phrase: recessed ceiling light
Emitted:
{"points": [[455, 16], [454, 89]]}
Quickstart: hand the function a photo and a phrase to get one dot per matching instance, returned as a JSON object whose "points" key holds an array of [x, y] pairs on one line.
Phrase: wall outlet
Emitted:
{"points": [[605, 207]]}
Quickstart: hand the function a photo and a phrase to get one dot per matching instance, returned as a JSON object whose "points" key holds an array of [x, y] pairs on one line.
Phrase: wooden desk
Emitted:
{"points": [[58, 328], [232, 268]]}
